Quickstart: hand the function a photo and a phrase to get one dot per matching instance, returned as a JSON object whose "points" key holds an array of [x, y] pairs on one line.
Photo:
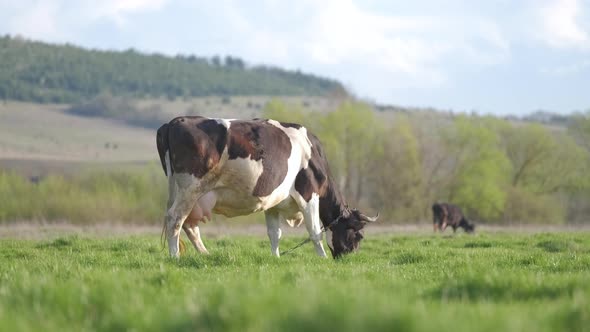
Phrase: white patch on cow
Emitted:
{"points": [[298, 159], [298, 138], [282, 191], [224, 122], [168, 167], [311, 216], [234, 187]]}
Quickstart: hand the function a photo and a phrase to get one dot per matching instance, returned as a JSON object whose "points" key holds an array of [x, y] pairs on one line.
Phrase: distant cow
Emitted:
{"points": [[450, 215], [236, 167]]}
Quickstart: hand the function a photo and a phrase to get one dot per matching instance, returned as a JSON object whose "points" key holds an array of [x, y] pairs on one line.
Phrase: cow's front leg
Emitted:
{"points": [[311, 216], [273, 229]]}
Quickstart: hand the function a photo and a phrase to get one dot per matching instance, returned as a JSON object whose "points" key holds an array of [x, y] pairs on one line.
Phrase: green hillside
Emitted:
{"points": [[41, 72]]}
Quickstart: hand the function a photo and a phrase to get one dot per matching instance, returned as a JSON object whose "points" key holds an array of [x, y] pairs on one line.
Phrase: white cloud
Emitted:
{"points": [[342, 33], [38, 20], [566, 70], [59, 20], [560, 26], [413, 50], [117, 10]]}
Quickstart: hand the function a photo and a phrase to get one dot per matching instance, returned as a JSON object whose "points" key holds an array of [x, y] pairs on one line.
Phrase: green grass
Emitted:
{"points": [[486, 282]]}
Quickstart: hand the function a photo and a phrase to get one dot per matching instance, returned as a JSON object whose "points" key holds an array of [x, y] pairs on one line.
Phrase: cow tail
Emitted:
{"points": [[163, 148], [162, 145]]}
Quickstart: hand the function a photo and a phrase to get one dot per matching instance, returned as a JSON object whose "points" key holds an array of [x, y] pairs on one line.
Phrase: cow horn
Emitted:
{"points": [[369, 219]]}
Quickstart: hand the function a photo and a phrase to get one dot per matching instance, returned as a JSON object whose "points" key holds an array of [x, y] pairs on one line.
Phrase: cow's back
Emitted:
{"points": [[454, 214]]}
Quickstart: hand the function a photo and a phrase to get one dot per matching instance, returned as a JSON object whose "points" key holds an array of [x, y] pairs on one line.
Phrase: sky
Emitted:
{"points": [[493, 57]]}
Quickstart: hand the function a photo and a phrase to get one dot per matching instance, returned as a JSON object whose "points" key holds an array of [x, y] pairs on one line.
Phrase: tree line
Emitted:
{"points": [[42, 72]]}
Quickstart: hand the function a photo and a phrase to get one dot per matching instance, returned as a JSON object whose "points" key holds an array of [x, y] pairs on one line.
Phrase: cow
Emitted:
{"points": [[445, 214], [238, 167]]}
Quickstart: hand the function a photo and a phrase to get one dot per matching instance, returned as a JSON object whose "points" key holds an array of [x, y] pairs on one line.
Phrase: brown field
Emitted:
{"points": [[44, 132], [242, 107], [41, 139]]}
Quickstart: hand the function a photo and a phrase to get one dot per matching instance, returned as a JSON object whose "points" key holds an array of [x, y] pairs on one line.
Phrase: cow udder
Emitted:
{"points": [[202, 211]]}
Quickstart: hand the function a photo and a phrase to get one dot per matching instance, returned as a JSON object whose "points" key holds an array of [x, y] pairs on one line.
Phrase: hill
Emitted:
{"points": [[43, 132], [42, 72]]}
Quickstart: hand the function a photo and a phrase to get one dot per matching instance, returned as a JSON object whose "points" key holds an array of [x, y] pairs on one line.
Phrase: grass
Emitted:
{"points": [[410, 282]]}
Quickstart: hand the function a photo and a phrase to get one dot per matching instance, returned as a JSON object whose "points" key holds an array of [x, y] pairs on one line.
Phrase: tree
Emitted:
{"points": [[579, 128], [278, 110], [479, 168], [543, 162], [350, 135], [35, 71], [216, 61], [545, 165], [395, 173]]}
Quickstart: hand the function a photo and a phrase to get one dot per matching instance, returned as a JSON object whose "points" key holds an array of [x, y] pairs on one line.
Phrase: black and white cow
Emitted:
{"points": [[238, 167]]}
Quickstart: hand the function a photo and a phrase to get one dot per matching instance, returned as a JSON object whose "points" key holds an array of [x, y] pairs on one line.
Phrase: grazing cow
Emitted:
{"points": [[448, 214], [237, 167]]}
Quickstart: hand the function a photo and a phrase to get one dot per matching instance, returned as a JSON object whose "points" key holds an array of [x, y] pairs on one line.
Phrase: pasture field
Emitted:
{"points": [[32, 132], [397, 282]]}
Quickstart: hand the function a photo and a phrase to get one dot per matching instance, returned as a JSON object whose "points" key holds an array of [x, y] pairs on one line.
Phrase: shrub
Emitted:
{"points": [[121, 196]]}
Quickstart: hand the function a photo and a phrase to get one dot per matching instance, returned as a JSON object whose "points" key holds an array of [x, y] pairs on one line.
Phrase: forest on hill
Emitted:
{"points": [[42, 72]]}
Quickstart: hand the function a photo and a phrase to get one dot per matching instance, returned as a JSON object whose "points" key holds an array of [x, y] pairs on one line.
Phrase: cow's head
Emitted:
{"points": [[347, 232], [469, 228]]}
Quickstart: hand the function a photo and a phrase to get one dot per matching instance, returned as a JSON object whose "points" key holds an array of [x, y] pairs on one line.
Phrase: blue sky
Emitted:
{"points": [[495, 56]]}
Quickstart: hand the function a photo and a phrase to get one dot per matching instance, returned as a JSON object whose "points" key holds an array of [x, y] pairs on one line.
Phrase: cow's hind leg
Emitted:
{"points": [[273, 229], [185, 197], [194, 235]]}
